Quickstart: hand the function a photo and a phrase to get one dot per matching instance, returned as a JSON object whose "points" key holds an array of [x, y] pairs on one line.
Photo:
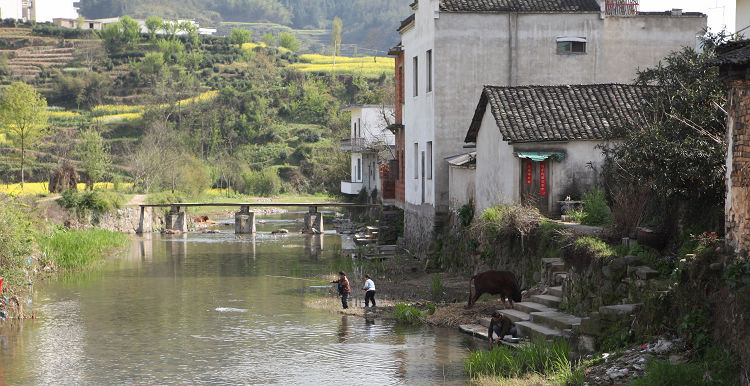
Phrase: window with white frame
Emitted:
{"points": [[571, 45]]}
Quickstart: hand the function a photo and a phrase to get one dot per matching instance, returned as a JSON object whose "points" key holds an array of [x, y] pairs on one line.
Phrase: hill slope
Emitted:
{"points": [[367, 23]]}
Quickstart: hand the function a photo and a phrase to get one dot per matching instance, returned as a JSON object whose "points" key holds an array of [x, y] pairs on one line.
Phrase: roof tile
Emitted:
{"points": [[560, 113], [519, 6]]}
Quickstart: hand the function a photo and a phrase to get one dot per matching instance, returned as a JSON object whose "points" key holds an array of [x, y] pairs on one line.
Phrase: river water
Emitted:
{"points": [[212, 308]]}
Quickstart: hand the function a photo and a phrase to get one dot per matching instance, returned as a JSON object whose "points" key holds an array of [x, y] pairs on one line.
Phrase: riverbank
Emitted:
{"points": [[33, 248]]}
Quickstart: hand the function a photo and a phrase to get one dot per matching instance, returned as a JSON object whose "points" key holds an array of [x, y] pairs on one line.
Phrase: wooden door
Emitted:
{"points": [[535, 184]]}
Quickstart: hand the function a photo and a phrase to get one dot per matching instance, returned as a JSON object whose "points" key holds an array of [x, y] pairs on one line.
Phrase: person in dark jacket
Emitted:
{"points": [[500, 325], [344, 288]]}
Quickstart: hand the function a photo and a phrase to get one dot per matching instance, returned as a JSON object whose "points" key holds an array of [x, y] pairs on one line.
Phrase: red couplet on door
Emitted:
{"points": [[542, 179]]}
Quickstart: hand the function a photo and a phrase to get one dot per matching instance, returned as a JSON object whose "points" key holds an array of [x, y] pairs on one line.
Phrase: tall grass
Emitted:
{"points": [[76, 249], [407, 314], [536, 357]]}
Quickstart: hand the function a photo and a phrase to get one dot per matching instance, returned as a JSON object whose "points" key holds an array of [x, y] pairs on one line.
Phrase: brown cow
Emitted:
{"points": [[495, 282]]}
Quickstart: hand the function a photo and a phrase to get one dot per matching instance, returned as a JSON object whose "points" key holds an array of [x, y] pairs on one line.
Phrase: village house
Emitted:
{"points": [[536, 145], [452, 48], [372, 148]]}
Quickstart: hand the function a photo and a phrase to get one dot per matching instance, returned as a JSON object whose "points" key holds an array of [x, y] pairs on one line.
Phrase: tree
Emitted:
{"points": [[24, 116], [240, 36], [94, 155], [131, 30], [336, 28], [679, 153], [289, 41], [153, 24], [269, 39]]}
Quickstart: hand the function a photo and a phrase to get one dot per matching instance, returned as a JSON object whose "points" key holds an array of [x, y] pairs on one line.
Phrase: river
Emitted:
{"points": [[212, 308]]}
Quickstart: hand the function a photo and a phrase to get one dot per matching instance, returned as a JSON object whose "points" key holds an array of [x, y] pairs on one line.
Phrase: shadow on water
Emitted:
{"points": [[218, 308]]}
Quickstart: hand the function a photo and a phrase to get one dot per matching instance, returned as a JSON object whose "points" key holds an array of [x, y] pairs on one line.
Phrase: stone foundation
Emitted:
{"points": [[737, 220], [419, 228]]}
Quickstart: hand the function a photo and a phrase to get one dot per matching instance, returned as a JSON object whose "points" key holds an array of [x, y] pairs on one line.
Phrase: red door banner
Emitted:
{"points": [[542, 179], [528, 173]]}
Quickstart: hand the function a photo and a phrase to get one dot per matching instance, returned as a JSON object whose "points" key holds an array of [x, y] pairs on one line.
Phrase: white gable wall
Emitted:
{"points": [[498, 173]]}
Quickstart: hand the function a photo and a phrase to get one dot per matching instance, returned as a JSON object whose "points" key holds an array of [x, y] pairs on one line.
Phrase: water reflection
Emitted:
{"points": [[216, 308]]}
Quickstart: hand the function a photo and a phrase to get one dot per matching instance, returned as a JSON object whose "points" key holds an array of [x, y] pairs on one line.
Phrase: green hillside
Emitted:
{"points": [[367, 23], [188, 112]]}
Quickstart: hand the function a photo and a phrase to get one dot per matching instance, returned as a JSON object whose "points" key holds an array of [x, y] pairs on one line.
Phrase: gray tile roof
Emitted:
{"points": [[519, 6], [560, 113], [735, 52]]}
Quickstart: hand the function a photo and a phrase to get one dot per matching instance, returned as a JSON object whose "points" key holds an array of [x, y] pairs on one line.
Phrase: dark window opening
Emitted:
{"points": [[569, 47]]}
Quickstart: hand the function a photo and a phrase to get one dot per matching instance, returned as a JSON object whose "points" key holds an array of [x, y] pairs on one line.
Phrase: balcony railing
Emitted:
{"points": [[349, 187], [621, 7], [359, 145]]}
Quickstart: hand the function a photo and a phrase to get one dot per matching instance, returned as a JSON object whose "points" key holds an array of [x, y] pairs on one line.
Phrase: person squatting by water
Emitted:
{"points": [[501, 326], [369, 291], [344, 289]]}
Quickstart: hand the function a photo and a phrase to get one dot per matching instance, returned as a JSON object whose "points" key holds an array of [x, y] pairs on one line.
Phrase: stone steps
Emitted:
{"points": [[537, 331], [516, 315], [529, 307], [555, 291], [550, 301], [556, 319]]}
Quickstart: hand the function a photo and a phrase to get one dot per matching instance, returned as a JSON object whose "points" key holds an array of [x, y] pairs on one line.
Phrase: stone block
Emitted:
{"points": [[646, 273], [586, 344], [632, 260], [617, 312], [590, 326]]}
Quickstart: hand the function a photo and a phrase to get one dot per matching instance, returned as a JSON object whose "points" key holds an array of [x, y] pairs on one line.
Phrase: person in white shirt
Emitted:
{"points": [[369, 291]]}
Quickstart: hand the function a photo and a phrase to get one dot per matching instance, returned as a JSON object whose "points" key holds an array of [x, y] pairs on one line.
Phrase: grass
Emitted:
{"points": [[538, 357], [77, 249], [719, 364], [369, 66], [407, 314]]}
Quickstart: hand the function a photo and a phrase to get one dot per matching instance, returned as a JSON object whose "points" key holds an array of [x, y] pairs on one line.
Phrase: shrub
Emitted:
{"points": [[407, 314], [595, 209], [466, 213], [264, 184], [17, 240], [95, 200]]}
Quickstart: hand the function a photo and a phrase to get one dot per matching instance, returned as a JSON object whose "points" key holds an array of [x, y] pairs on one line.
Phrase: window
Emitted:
{"points": [[429, 70], [416, 76], [416, 160], [429, 160], [354, 133], [571, 45], [359, 126], [359, 170]]}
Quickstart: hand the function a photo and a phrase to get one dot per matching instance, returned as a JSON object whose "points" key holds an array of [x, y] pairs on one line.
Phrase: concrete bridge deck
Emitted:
{"points": [[244, 220]]}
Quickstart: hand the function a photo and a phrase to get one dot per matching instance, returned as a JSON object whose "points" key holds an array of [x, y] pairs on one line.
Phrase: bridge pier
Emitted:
{"points": [[313, 221], [244, 221], [176, 220], [145, 223]]}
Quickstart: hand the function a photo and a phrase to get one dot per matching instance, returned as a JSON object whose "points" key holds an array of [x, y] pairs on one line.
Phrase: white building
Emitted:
{"points": [[452, 48], [539, 163], [742, 17], [371, 145], [12, 9]]}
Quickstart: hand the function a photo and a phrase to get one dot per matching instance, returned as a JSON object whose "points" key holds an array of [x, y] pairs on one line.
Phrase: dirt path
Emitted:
{"points": [[137, 200]]}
